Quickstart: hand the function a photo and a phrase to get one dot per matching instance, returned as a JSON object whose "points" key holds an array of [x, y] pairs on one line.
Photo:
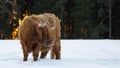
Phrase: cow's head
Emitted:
{"points": [[44, 29]]}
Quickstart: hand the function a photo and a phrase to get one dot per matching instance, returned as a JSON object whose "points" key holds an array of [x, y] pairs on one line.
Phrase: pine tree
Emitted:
{"points": [[115, 19], [68, 18], [6, 14]]}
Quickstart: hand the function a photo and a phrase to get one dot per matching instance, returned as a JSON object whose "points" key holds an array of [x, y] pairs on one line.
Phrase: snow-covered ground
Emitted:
{"points": [[75, 54]]}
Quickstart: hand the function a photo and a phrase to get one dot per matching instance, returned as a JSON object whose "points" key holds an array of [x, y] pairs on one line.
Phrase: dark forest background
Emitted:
{"points": [[80, 19]]}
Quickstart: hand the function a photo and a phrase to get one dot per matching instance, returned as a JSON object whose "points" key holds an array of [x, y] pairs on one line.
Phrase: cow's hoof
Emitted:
{"points": [[35, 59], [24, 59]]}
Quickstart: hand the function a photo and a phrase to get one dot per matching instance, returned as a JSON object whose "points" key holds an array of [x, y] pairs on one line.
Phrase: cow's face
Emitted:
{"points": [[45, 27], [46, 36]]}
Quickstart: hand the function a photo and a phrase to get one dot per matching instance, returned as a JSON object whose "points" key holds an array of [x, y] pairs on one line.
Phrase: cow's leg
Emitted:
{"points": [[55, 53], [52, 54], [25, 51], [43, 54], [36, 52], [57, 49]]}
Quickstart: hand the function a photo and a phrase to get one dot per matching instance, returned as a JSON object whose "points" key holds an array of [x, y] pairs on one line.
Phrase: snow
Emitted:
{"points": [[74, 54]]}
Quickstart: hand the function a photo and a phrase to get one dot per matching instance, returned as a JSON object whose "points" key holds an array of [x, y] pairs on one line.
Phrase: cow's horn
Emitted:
{"points": [[53, 27], [41, 25]]}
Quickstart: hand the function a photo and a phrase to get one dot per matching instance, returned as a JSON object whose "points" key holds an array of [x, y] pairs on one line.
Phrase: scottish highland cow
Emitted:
{"points": [[40, 33]]}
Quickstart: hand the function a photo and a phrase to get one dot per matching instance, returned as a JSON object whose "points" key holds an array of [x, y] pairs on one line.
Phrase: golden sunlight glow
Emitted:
{"points": [[14, 1], [15, 31], [14, 12], [14, 17]]}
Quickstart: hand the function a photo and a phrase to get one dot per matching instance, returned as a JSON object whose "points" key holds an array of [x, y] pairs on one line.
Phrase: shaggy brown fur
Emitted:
{"points": [[40, 33]]}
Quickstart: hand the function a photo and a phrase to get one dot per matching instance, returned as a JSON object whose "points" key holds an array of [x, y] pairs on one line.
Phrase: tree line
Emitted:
{"points": [[80, 19]]}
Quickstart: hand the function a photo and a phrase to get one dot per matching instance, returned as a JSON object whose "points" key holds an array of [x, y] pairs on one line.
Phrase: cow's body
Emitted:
{"points": [[40, 33]]}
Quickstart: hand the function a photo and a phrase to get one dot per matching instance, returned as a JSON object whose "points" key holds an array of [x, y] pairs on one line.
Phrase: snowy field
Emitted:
{"points": [[75, 54]]}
